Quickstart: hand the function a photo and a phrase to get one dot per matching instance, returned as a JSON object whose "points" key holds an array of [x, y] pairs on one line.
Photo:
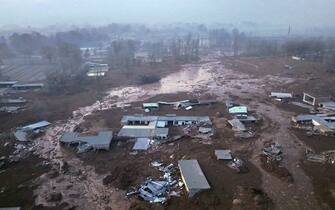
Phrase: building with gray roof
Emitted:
{"points": [[192, 176], [144, 131], [323, 123], [169, 119], [100, 141]]}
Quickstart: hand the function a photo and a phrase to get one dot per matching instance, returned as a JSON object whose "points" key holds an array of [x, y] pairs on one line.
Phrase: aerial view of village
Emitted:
{"points": [[177, 105]]}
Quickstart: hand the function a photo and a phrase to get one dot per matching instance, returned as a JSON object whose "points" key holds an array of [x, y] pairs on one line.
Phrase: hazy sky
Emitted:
{"points": [[44, 12]]}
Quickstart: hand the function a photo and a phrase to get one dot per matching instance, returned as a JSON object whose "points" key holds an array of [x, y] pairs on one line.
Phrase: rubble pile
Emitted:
{"points": [[324, 157], [238, 165], [158, 191], [273, 152], [271, 158], [202, 131], [245, 135]]}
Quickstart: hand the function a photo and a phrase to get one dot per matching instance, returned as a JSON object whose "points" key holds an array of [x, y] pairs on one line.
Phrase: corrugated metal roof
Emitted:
{"points": [[281, 95], [327, 121], [142, 132], [156, 105], [103, 138], [127, 118], [238, 110], [192, 175], [37, 125], [8, 82]]}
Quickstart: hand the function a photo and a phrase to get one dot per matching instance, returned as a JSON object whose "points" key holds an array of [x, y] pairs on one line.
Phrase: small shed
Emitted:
{"points": [[281, 95], [192, 176], [238, 110], [222, 154], [151, 106]]}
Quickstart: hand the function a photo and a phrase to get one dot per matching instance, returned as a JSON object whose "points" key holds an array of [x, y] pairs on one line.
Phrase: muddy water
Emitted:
{"points": [[81, 186]]}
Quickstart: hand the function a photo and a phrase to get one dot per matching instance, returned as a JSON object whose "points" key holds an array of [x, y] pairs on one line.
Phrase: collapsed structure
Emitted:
{"points": [[317, 101], [324, 124], [240, 118], [101, 141], [281, 96], [12, 105], [22, 134]]}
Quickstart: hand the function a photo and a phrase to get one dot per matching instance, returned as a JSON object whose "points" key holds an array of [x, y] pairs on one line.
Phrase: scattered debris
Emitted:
{"points": [[204, 130], [324, 157], [30, 131], [101, 141], [238, 165], [157, 191], [223, 154], [289, 67], [84, 147], [297, 58], [245, 134], [237, 125], [274, 151], [142, 144], [188, 108], [318, 123]]}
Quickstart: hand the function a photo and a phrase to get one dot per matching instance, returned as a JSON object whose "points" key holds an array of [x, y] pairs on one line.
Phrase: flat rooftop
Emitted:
{"points": [[192, 175], [142, 118], [103, 137]]}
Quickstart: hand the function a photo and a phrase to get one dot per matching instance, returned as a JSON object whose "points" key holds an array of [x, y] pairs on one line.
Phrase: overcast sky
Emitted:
{"points": [[307, 13]]}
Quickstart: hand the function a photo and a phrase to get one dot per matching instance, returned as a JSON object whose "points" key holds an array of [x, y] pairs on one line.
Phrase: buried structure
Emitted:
{"points": [[319, 123], [101, 141], [192, 176], [23, 133], [155, 127]]}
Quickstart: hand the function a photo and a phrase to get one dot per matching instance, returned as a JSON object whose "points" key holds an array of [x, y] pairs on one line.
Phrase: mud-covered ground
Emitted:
{"points": [[81, 179]]}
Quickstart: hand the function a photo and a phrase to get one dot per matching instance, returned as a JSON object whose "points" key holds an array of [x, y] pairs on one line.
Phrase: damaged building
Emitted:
{"points": [[101, 141], [321, 123], [192, 176], [279, 96], [315, 100], [155, 127], [23, 133]]}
